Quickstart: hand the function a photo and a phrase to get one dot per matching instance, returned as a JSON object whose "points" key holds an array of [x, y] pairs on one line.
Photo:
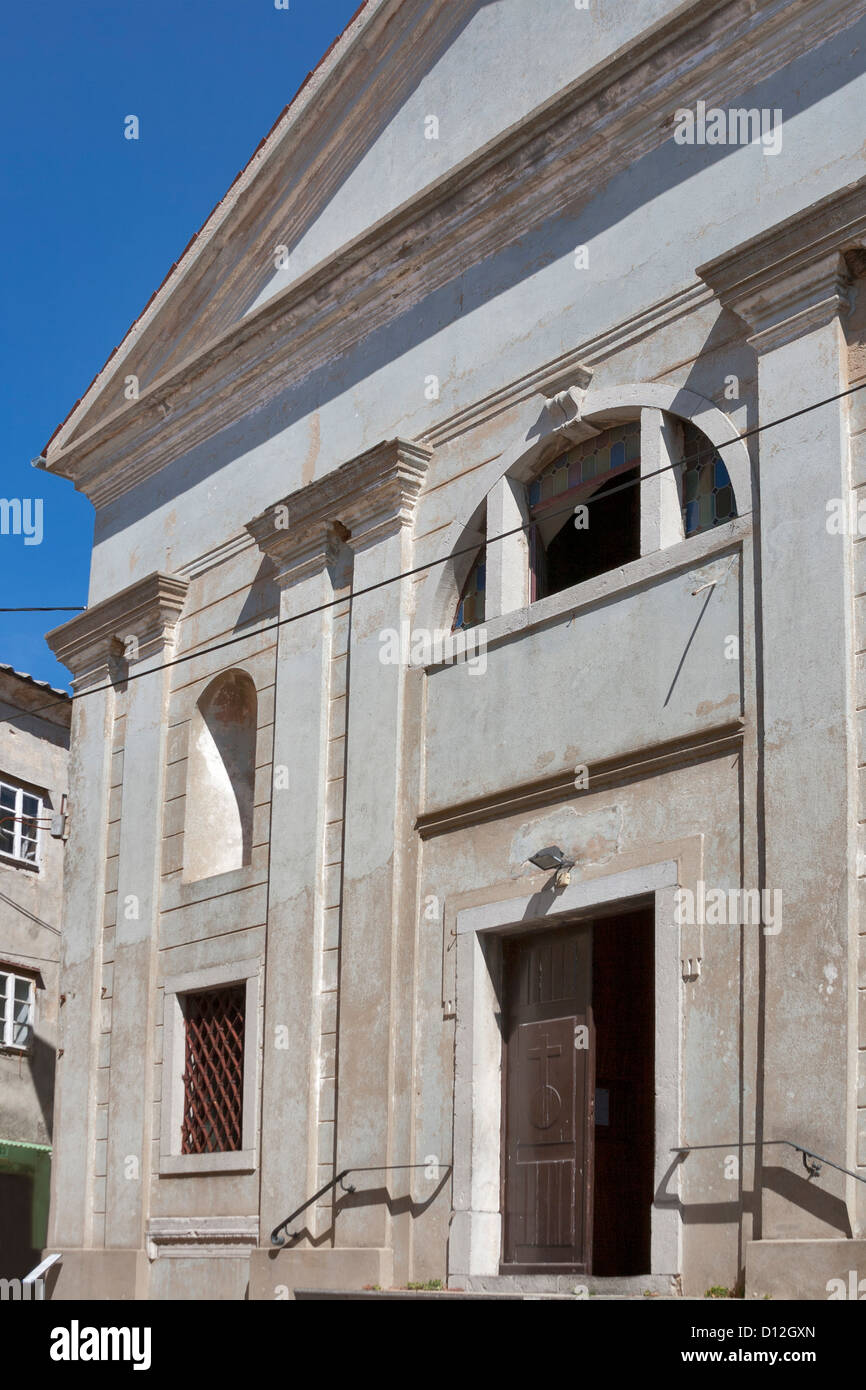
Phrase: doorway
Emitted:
{"points": [[18, 1254], [578, 1097]]}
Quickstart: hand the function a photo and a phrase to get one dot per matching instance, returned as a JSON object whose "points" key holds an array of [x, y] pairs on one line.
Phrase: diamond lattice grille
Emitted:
{"points": [[213, 1077]]}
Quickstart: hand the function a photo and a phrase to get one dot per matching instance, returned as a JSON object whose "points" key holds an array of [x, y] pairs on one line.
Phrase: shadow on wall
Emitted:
{"points": [[368, 1197], [800, 1192], [42, 1061]]}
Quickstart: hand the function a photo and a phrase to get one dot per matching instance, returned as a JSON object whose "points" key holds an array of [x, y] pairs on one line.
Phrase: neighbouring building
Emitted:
{"points": [[467, 771], [34, 751]]}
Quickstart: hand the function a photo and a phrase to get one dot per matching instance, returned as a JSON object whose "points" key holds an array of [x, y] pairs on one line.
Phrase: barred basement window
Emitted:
{"points": [[213, 1075]]}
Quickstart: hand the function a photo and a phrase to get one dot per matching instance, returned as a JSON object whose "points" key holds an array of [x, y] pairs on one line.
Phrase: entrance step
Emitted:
{"points": [[624, 1286], [521, 1288], [343, 1295]]}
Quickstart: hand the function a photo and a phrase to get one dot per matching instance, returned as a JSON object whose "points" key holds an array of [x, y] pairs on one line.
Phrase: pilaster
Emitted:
{"points": [[315, 537], [376, 959], [790, 287], [93, 647], [148, 629], [308, 552]]}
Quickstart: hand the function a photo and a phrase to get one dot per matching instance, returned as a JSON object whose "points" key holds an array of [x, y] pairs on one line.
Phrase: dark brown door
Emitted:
{"points": [[548, 1100]]}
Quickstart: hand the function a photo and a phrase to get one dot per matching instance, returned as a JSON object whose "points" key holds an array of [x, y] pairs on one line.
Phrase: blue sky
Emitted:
{"points": [[91, 221]]}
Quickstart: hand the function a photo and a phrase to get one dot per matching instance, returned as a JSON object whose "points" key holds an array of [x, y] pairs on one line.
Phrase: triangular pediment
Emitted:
{"points": [[410, 90], [295, 203]]}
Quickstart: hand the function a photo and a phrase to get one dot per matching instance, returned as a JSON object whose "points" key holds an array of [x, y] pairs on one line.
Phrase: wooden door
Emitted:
{"points": [[548, 1100]]}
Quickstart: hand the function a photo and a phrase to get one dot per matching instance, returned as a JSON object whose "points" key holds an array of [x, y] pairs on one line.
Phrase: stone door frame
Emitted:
{"points": [[476, 1224]]}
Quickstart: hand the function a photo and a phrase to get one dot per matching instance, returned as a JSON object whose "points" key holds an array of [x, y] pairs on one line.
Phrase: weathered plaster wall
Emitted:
{"points": [[631, 658], [33, 753]]}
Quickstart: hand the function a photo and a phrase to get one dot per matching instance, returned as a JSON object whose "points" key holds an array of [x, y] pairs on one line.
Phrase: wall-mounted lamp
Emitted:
{"points": [[553, 858]]}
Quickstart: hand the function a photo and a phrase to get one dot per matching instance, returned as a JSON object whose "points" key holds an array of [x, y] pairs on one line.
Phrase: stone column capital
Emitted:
{"points": [[298, 549], [147, 611], [385, 483], [364, 499], [793, 278]]}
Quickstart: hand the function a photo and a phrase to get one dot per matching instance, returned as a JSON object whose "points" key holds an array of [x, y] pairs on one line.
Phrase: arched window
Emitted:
{"points": [[566, 548], [707, 495], [221, 778], [560, 512], [470, 607]]}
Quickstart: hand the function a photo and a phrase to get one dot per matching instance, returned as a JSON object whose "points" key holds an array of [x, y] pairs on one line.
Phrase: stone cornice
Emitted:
{"points": [[381, 489], [793, 277], [605, 120], [570, 367], [147, 610], [718, 741], [364, 499]]}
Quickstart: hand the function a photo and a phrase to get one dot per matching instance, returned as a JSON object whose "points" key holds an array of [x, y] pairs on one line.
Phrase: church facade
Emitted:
{"points": [[463, 877]]}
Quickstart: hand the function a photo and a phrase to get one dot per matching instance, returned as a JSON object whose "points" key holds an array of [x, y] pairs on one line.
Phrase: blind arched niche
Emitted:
{"points": [[221, 778]]}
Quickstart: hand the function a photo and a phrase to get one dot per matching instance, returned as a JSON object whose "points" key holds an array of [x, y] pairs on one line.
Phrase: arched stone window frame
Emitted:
{"points": [[194, 871], [501, 487]]}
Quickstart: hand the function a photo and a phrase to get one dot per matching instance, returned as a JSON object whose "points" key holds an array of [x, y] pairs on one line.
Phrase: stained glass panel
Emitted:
{"points": [[470, 609], [591, 459], [708, 497]]}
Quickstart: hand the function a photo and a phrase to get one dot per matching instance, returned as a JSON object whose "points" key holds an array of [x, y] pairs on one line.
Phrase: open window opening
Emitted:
{"points": [[600, 476]]}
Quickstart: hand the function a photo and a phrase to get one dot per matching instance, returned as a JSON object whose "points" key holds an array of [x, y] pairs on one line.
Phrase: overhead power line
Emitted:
{"points": [[30, 915], [440, 560]]}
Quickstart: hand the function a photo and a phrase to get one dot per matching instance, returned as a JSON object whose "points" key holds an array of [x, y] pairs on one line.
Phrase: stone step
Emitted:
{"points": [[523, 1288], [596, 1286], [341, 1295]]}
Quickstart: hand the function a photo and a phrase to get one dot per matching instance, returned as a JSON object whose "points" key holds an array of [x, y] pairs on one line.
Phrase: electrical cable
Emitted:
{"points": [[33, 918]]}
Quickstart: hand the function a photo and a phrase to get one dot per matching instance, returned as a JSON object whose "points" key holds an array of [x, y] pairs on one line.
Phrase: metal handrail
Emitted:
{"points": [[813, 1168], [277, 1239]]}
